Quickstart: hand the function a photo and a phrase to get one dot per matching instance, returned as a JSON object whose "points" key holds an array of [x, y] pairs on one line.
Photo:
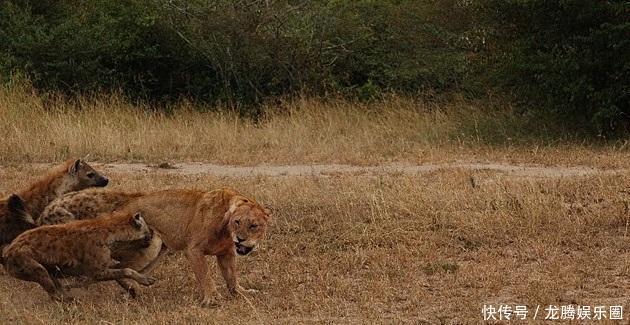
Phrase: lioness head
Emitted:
{"points": [[247, 223], [81, 176]]}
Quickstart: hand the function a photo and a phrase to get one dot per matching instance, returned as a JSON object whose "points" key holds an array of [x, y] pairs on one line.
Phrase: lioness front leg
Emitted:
{"points": [[199, 265], [227, 264]]}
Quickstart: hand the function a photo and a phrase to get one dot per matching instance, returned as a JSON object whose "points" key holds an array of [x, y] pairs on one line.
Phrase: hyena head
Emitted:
{"points": [[80, 176], [14, 219], [140, 229]]}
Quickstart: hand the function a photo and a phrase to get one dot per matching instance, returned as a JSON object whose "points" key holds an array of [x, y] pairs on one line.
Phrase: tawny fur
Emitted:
{"points": [[205, 223], [73, 249]]}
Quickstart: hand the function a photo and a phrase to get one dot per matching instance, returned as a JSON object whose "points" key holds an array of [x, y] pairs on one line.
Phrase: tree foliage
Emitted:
{"points": [[570, 58]]}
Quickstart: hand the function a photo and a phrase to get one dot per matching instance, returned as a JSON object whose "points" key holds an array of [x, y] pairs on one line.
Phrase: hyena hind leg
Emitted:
{"points": [[28, 269]]}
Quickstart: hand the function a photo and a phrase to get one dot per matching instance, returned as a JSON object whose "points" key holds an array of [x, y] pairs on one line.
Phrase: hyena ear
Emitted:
{"points": [[137, 221], [17, 209], [16, 204], [74, 168]]}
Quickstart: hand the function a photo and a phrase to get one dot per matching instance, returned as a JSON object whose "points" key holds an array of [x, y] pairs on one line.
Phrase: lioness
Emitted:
{"points": [[77, 248], [221, 223]]}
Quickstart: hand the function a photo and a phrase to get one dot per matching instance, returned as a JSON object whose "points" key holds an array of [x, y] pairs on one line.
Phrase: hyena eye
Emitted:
{"points": [[236, 222], [90, 175], [253, 227]]}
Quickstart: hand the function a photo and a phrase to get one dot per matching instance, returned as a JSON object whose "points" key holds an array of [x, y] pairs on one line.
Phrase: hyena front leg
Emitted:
{"points": [[126, 273]]}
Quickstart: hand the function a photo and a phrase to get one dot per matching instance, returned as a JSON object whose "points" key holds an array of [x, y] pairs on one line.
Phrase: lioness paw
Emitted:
{"points": [[210, 302], [240, 289]]}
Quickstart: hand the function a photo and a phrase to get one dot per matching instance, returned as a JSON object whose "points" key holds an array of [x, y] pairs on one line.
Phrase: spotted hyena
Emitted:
{"points": [[14, 219], [84, 205], [140, 255], [81, 248], [73, 175]]}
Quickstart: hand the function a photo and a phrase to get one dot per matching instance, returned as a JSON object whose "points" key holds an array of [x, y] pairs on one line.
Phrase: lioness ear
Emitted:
{"points": [[74, 168], [137, 221], [236, 203], [268, 209]]}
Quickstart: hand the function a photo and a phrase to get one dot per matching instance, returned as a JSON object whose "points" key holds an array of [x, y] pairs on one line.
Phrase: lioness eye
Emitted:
{"points": [[237, 222], [253, 226]]}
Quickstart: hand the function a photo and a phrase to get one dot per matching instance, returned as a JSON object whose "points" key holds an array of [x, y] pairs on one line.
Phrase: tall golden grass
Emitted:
{"points": [[111, 128], [47, 128]]}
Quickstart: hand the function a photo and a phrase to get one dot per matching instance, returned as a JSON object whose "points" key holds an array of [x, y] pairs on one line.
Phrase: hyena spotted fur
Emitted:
{"points": [[84, 205], [14, 220], [140, 255], [81, 248], [73, 175]]}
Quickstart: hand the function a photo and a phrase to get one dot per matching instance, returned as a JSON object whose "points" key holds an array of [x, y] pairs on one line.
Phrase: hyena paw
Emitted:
{"points": [[147, 280]]}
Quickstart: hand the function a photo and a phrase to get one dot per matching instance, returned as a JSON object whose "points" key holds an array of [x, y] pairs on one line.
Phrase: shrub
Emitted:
{"points": [[571, 57]]}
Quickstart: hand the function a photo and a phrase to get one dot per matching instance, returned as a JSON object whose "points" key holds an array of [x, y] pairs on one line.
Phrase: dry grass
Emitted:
{"points": [[393, 249], [108, 128], [348, 248]]}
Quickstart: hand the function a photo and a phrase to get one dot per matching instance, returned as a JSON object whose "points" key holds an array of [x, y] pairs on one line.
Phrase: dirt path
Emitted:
{"points": [[333, 169]]}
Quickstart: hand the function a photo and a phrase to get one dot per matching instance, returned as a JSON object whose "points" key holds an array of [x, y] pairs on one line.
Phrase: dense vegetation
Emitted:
{"points": [[569, 58]]}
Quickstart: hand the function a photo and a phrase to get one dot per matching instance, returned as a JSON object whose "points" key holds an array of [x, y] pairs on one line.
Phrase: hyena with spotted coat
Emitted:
{"points": [[140, 255], [14, 220], [73, 175], [81, 248], [84, 205]]}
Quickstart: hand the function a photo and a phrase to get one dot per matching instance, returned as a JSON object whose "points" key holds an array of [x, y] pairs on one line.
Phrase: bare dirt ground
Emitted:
{"points": [[317, 170], [395, 243]]}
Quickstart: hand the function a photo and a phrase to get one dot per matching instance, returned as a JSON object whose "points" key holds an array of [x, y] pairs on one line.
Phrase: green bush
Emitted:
{"points": [[570, 57], [241, 51], [567, 59]]}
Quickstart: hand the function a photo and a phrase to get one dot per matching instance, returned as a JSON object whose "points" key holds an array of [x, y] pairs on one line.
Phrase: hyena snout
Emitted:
{"points": [[102, 181], [148, 238]]}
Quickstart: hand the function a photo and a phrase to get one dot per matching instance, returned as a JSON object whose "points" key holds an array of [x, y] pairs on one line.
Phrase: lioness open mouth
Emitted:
{"points": [[243, 250]]}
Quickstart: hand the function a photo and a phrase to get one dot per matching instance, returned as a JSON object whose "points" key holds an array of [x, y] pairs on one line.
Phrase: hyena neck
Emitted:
{"points": [[44, 191]]}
